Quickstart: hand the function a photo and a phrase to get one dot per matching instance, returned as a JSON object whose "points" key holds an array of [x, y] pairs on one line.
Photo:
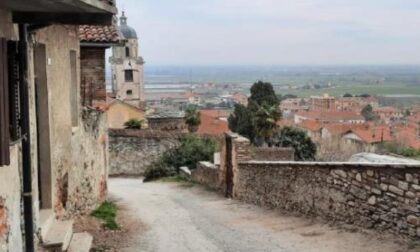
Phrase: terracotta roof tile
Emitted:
{"points": [[330, 115], [213, 122], [374, 134], [408, 137], [311, 125], [98, 34]]}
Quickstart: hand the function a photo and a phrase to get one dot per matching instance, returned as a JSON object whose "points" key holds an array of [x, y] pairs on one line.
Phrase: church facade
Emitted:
{"points": [[128, 68]]}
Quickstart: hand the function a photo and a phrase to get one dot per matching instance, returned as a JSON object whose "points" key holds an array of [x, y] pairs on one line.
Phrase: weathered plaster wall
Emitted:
{"points": [[59, 40], [79, 154], [88, 177], [372, 196], [119, 113], [131, 151], [10, 176], [10, 199]]}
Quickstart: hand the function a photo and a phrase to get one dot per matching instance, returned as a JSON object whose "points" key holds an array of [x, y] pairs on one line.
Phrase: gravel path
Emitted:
{"points": [[183, 218]]}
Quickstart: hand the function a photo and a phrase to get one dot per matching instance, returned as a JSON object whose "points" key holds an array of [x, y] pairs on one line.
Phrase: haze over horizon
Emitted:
{"points": [[276, 32]]}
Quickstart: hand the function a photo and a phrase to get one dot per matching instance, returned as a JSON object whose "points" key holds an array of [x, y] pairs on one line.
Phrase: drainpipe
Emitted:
{"points": [[26, 139]]}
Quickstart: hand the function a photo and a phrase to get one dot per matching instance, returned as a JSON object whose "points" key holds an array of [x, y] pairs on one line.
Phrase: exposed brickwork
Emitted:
{"points": [[4, 228], [92, 62]]}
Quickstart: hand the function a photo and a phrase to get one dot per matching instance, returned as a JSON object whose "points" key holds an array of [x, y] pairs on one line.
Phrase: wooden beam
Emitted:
{"points": [[62, 18]]}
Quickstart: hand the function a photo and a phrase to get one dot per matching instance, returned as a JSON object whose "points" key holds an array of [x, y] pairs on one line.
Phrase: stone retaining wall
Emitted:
{"points": [[384, 197], [207, 174], [132, 151]]}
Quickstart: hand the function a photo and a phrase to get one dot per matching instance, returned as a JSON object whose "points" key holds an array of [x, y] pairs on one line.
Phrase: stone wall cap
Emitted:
{"points": [[145, 133], [329, 164], [208, 165]]}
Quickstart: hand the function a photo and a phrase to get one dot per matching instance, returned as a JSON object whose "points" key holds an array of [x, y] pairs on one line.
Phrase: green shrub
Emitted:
{"points": [[305, 148], [401, 150], [107, 212], [158, 169], [133, 124], [189, 152]]}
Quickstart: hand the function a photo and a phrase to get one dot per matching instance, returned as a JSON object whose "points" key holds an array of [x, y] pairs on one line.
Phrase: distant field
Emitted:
{"points": [[355, 90]]}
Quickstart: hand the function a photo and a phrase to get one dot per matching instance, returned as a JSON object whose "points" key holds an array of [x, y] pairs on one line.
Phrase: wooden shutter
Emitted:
{"points": [[4, 105], [14, 103]]}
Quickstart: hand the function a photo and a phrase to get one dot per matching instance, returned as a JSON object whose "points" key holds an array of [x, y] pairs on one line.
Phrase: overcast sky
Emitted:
{"points": [[276, 32]]}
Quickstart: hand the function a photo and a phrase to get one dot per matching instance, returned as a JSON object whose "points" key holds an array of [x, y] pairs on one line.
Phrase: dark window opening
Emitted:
{"points": [[9, 98], [129, 92], [129, 76], [127, 52]]}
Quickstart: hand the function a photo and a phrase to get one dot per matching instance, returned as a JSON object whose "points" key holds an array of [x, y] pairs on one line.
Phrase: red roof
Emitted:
{"points": [[407, 137], [311, 125], [98, 34], [285, 123], [341, 128], [375, 134], [330, 115], [386, 110], [213, 122]]}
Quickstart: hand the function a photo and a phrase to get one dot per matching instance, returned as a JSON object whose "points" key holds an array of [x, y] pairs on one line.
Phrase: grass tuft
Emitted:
{"points": [[107, 212]]}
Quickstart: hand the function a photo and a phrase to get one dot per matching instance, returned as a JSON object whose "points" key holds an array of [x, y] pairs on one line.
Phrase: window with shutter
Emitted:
{"points": [[9, 98], [4, 105], [14, 105]]}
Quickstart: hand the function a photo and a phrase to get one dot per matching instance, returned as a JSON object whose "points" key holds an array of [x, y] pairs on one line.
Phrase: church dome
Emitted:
{"points": [[127, 31]]}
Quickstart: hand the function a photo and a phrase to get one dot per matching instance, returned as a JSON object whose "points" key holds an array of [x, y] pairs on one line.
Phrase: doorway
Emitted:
{"points": [[43, 127]]}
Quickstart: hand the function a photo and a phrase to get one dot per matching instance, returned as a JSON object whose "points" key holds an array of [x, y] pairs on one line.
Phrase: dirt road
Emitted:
{"points": [[182, 218]]}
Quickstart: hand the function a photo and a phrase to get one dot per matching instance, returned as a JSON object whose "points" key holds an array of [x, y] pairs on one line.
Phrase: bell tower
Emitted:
{"points": [[128, 67]]}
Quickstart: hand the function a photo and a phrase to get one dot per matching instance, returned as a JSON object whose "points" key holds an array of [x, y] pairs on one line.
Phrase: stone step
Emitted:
{"points": [[58, 236], [46, 218], [81, 242]]}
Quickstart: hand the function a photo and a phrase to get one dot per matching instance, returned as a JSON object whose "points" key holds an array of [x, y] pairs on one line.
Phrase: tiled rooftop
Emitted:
{"points": [[98, 34]]}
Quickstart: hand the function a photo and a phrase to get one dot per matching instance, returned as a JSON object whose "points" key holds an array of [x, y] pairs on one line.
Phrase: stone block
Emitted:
{"points": [[376, 191], [410, 195], [396, 190], [359, 177], [416, 187], [413, 220], [372, 200], [384, 187], [408, 177], [341, 173], [370, 173], [403, 185]]}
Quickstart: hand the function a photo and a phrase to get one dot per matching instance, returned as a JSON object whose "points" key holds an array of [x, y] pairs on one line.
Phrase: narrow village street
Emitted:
{"points": [[181, 217]]}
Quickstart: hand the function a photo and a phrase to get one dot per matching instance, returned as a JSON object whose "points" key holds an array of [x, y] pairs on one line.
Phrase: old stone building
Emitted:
{"points": [[53, 150], [127, 67]]}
